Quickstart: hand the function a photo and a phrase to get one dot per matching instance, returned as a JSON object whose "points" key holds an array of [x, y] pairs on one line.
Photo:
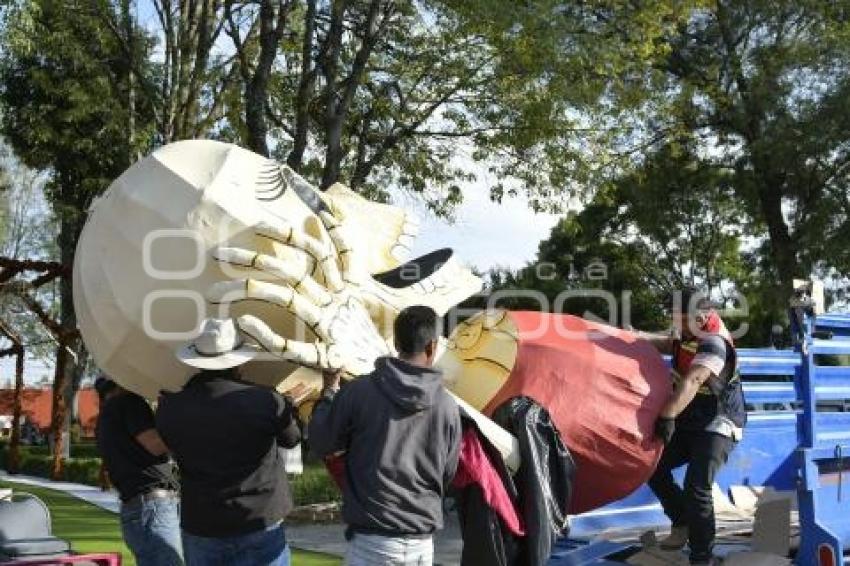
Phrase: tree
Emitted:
{"points": [[187, 88], [683, 213], [757, 90], [560, 115], [26, 277], [582, 272], [671, 223], [266, 29], [764, 85], [15, 349], [64, 90], [378, 93]]}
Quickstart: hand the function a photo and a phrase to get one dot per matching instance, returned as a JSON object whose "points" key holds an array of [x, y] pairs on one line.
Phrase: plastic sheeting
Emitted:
{"points": [[475, 467], [486, 540], [544, 481], [543, 486]]}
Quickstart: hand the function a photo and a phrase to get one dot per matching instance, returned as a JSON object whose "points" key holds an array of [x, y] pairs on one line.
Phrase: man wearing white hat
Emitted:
{"points": [[225, 434]]}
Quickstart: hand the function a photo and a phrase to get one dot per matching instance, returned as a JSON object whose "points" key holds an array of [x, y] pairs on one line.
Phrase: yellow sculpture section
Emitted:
{"points": [[479, 357]]}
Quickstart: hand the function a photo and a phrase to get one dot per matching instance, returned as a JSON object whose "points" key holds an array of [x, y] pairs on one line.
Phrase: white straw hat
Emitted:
{"points": [[219, 346]]}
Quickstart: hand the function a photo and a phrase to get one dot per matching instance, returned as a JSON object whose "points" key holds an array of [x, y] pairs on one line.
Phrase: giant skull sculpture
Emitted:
{"points": [[179, 231], [202, 228]]}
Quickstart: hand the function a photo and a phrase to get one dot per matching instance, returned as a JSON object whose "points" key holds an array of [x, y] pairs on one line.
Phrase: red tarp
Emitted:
{"points": [[603, 389]]}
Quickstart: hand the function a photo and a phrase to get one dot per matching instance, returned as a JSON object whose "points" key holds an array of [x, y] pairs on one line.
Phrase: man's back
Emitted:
{"points": [[225, 435], [401, 432]]}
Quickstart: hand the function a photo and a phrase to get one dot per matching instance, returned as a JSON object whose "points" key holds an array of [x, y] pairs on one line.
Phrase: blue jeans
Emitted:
{"points": [[377, 550], [151, 530], [266, 547]]}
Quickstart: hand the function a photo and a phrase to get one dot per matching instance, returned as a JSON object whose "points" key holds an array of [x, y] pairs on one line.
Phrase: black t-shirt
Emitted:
{"points": [[225, 436], [132, 469]]}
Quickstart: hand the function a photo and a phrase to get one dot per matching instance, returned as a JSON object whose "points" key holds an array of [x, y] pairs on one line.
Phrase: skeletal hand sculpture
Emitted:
{"points": [[332, 295]]}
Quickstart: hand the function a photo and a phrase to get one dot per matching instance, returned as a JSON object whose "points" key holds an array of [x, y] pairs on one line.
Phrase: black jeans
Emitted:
{"points": [[705, 453]]}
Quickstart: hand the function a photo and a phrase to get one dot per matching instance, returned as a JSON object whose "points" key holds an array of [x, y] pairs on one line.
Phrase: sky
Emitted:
{"points": [[483, 234]]}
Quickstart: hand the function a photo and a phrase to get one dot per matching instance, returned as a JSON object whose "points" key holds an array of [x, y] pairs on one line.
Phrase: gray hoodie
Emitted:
{"points": [[400, 431]]}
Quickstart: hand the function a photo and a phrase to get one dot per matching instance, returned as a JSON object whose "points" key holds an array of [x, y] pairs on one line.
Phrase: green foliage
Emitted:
{"points": [[741, 176], [63, 87], [577, 264], [680, 212], [669, 224], [82, 450], [65, 94], [313, 486], [555, 120], [525, 88], [77, 470], [763, 87]]}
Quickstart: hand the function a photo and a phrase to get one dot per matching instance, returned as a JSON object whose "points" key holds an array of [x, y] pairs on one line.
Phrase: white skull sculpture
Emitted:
{"points": [[198, 222]]}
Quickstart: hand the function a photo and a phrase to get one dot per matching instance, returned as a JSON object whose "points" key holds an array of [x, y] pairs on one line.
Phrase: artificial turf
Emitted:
{"points": [[91, 529]]}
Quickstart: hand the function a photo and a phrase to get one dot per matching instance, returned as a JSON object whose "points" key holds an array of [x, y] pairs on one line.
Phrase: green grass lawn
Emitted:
{"points": [[91, 529]]}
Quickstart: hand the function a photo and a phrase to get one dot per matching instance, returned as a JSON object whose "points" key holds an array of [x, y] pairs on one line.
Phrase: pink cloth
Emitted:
{"points": [[475, 467]]}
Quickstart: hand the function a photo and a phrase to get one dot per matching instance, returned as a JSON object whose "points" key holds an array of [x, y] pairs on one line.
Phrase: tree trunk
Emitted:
{"points": [[255, 117], [67, 367], [333, 154], [13, 464], [783, 249], [305, 90], [131, 81], [73, 379], [272, 26], [57, 420]]}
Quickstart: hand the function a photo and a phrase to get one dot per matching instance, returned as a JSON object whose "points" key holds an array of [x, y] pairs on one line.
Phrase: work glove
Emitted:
{"points": [[664, 429]]}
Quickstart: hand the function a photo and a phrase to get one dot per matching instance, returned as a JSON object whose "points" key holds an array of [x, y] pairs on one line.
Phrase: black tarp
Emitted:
{"points": [[542, 485]]}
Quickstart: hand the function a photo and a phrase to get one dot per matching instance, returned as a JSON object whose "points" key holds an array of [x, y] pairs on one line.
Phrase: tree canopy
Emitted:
{"points": [[705, 141], [763, 87]]}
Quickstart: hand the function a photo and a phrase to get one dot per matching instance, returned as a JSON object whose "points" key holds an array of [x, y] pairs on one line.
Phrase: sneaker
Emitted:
{"points": [[676, 540]]}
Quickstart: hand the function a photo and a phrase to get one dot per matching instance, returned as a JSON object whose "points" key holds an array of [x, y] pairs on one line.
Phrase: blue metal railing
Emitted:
{"points": [[823, 457]]}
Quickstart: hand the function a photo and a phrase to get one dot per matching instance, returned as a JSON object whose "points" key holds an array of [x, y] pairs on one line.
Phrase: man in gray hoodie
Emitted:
{"points": [[400, 431]]}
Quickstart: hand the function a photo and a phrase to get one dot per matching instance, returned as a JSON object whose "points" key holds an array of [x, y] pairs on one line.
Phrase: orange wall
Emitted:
{"points": [[37, 404]]}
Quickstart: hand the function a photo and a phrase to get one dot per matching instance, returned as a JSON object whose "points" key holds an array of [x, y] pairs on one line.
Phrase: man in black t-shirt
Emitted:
{"points": [[225, 435], [139, 467]]}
